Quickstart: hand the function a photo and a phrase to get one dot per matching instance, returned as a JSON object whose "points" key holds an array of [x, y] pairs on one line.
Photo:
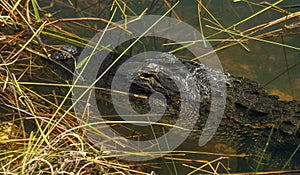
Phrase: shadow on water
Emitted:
{"points": [[262, 63]]}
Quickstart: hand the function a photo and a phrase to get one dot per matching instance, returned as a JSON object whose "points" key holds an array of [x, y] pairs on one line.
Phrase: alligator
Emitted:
{"points": [[252, 118]]}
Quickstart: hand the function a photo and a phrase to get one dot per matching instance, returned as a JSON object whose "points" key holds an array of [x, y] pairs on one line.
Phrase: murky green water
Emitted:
{"points": [[265, 63], [272, 65]]}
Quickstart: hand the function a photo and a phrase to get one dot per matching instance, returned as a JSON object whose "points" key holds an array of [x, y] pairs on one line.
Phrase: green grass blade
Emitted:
{"points": [[36, 11]]}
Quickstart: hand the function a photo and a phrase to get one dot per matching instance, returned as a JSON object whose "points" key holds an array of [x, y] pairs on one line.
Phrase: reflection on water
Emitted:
{"points": [[263, 63], [266, 63]]}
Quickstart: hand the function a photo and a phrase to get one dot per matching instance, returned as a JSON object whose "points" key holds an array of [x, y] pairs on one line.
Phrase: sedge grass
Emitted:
{"points": [[15, 96], [61, 148]]}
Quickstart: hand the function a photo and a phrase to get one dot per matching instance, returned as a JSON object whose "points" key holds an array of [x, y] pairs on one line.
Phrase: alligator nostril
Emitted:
{"points": [[64, 53]]}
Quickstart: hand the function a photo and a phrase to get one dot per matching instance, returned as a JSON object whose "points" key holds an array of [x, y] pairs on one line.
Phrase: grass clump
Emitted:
{"points": [[32, 139]]}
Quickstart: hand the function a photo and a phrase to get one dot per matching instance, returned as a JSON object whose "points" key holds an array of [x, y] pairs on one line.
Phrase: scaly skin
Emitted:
{"points": [[249, 115]]}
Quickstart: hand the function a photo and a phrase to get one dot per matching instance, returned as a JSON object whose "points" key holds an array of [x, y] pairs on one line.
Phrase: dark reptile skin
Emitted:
{"points": [[249, 115]]}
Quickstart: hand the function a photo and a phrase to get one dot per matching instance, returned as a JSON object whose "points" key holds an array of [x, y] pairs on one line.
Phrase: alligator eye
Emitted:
{"points": [[147, 75]]}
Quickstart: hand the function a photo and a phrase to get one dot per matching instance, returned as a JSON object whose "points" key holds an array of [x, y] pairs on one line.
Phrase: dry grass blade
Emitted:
{"points": [[64, 150]]}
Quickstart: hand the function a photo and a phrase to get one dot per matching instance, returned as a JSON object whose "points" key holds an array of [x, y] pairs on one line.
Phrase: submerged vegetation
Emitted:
{"points": [[40, 134]]}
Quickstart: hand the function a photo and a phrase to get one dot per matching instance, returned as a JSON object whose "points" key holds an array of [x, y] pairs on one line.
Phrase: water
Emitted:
{"points": [[264, 62]]}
